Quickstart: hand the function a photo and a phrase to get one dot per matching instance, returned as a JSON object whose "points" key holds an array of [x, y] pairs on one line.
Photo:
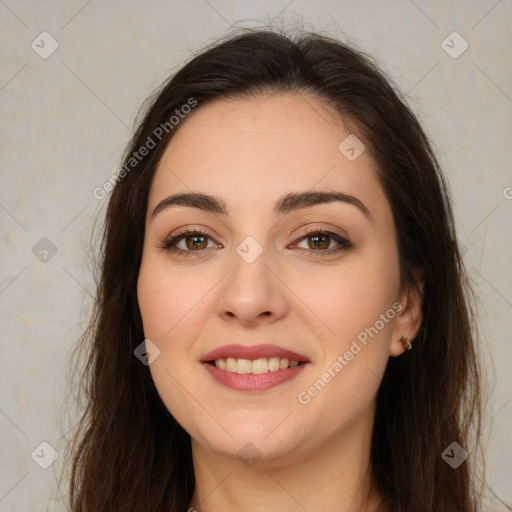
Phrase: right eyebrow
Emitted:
{"points": [[204, 202]]}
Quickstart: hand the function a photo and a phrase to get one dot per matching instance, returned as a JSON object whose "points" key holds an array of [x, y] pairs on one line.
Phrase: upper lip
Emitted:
{"points": [[252, 352]]}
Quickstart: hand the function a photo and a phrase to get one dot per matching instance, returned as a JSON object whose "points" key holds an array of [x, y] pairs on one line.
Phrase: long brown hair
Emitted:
{"points": [[129, 454]]}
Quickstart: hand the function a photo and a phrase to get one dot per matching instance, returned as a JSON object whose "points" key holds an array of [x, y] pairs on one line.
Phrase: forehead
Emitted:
{"points": [[251, 151]]}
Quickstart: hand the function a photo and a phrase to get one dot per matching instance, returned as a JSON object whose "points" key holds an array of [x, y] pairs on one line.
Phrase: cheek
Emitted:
{"points": [[173, 307], [355, 305], [347, 299], [168, 296]]}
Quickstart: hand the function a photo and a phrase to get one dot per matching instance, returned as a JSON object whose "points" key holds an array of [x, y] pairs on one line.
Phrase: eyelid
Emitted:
{"points": [[311, 230], [192, 230]]}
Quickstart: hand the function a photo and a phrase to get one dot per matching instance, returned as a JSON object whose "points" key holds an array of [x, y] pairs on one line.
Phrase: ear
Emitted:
{"points": [[409, 318]]}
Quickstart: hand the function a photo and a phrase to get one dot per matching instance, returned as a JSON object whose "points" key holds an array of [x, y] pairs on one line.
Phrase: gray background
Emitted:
{"points": [[64, 123]]}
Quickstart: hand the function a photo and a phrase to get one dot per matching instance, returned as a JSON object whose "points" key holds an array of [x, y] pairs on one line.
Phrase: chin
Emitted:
{"points": [[267, 435], [249, 448]]}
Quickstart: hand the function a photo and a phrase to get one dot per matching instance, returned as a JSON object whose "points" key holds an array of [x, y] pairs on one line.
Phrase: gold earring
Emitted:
{"points": [[406, 343]]}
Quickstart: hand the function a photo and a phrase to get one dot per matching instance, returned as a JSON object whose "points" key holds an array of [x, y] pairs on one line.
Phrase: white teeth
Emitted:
{"points": [[244, 366], [258, 366], [231, 364], [273, 364]]}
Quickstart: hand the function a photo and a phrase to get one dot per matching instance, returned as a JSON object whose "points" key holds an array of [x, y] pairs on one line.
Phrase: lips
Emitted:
{"points": [[253, 368], [252, 353]]}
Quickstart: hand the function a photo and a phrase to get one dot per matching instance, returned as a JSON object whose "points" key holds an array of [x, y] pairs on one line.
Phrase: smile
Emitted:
{"points": [[253, 368]]}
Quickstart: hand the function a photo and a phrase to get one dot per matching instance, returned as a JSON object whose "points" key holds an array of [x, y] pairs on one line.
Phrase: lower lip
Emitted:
{"points": [[251, 381]]}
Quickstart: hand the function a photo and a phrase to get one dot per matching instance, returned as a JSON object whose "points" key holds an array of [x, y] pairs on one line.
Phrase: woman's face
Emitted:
{"points": [[268, 270]]}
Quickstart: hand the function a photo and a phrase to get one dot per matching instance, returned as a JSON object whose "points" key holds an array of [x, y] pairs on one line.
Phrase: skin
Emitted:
{"points": [[250, 152]]}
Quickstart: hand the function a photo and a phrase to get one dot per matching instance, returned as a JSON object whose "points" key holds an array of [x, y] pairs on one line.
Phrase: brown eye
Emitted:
{"points": [[195, 242], [323, 243], [188, 243], [318, 241]]}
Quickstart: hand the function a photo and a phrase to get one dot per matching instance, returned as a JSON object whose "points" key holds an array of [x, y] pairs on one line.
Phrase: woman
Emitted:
{"points": [[283, 317]]}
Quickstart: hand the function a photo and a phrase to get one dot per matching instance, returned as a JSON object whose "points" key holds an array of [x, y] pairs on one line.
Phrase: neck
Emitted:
{"points": [[333, 476]]}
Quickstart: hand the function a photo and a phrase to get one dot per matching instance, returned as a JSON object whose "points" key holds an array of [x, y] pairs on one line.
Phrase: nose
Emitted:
{"points": [[252, 292]]}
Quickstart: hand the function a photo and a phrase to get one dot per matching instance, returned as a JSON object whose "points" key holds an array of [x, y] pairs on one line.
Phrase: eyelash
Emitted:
{"points": [[344, 243]]}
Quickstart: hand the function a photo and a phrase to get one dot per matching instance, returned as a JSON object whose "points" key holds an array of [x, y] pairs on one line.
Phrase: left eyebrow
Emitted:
{"points": [[289, 202], [295, 201]]}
